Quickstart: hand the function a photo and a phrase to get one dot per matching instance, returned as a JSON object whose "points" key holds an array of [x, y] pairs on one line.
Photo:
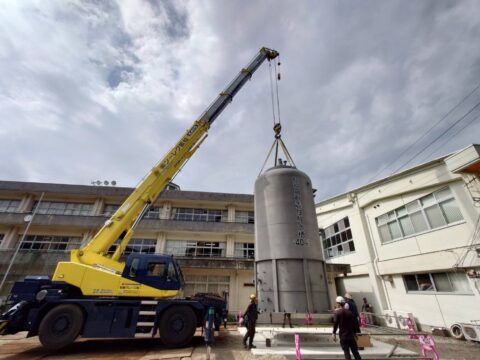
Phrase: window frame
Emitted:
{"points": [[435, 285], [199, 214], [9, 205], [197, 248], [420, 205], [62, 208], [49, 243], [336, 239]]}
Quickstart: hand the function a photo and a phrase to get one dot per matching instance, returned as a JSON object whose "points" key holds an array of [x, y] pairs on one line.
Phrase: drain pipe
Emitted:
{"points": [[375, 265]]}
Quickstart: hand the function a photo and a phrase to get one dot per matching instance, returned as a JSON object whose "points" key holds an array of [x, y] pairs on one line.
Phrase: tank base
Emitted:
{"points": [[296, 319]]}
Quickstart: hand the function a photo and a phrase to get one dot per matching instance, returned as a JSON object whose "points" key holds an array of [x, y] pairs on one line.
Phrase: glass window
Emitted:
{"points": [[49, 243], [146, 246], [152, 213], [62, 208], [244, 217], [245, 250], [206, 283], [459, 282], [435, 216], [451, 211], [207, 215], [427, 213], [427, 200], [437, 282], [410, 282], [442, 282], [196, 248], [406, 225], [338, 239], [109, 209], [418, 221], [425, 282], [155, 268], [394, 228], [384, 233], [9, 205]]}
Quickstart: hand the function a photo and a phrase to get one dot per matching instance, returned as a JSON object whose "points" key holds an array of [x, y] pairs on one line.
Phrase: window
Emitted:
{"points": [[155, 268], [62, 208], [337, 239], [430, 212], [196, 248], [245, 250], [9, 205], [152, 213], [49, 243], [191, 214], [437, 282], [206, 284], [146, 246], [109, 209], [245, 217]]}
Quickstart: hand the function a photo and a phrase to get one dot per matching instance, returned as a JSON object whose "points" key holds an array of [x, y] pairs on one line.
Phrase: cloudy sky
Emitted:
{"points": [[102, 89]]}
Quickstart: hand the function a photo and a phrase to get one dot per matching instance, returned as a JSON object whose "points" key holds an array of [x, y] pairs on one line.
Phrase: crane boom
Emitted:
{"points": [[86, 263]]}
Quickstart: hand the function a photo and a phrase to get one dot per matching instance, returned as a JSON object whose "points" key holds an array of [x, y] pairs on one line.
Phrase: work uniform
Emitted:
{"points": [[251, 315], [350, 305], [344, 320]]}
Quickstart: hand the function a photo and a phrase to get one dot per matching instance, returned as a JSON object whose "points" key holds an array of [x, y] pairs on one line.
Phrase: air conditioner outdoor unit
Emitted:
{"points": [[471, 331]]}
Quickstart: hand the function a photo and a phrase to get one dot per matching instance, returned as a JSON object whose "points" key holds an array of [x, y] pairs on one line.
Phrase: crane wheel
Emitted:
{"points": [[177, 326], [60, 326]]}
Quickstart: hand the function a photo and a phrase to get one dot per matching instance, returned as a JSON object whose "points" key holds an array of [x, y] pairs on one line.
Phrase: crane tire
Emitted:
{"points": [[457, 332], [177, 325], [60, 326]]}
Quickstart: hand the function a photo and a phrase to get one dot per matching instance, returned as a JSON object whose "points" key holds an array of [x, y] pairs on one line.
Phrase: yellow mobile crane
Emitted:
{"points": [[97, 295]]}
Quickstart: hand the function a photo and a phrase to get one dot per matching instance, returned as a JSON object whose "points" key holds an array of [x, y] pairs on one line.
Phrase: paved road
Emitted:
{"points": [[227, 346]]}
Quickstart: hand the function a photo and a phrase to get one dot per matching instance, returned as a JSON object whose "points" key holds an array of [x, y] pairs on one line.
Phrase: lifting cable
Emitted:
{"points": [[277, 127]]}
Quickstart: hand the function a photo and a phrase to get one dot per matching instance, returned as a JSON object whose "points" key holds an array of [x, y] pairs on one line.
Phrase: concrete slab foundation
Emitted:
{"points": [[315, 343]]}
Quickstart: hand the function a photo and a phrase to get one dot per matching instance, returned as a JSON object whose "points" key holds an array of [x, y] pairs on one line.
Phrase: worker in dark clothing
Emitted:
{"points": [[344, 321], [250, 317], [350, 305]]}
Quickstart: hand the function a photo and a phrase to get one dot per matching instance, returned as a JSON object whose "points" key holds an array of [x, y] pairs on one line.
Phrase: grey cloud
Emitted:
{"points": [[361, 81]]}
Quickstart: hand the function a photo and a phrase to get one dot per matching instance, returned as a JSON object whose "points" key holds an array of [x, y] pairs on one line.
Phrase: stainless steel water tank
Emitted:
{"points": [[289, 264]]}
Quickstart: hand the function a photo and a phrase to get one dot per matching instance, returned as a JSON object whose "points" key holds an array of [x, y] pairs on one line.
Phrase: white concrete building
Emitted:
{"points": [[412, 240]]}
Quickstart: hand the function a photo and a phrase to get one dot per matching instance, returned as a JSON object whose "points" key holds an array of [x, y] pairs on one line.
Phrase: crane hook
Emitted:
{"points": [[277, 128]]}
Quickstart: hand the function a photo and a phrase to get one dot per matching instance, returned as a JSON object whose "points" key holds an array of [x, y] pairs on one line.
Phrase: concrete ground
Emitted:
{"points": [[228, 345]]}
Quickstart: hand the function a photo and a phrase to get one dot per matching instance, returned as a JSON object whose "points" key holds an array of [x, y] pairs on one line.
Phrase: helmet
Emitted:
{"points": [[348, 296], [253, 296], [340, 300]]}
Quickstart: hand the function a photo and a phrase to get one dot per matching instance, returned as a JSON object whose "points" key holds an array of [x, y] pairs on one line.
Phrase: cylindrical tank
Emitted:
{"points": [[289, 264]]}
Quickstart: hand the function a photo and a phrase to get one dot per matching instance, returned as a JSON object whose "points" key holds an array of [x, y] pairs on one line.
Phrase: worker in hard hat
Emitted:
{"points": [[250, 317], [343, 320], [352, 306]]}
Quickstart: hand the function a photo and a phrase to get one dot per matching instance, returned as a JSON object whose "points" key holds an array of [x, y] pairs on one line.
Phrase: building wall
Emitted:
{"points": [[381, 269], [158, 228]]}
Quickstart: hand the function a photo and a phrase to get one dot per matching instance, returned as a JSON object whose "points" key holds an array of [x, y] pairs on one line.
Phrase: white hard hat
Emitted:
{"points": [[340, 300]]}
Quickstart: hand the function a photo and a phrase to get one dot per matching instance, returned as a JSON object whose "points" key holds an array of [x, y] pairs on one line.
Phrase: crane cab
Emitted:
{"points": [[157, 271]]}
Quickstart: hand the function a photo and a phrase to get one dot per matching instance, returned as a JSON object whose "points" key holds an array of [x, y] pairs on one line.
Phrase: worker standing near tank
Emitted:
{"points": [[250, 317], [343, 320], [352, 306]]}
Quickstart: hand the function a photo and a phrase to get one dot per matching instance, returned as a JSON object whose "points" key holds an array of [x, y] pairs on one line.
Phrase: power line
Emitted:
{"points": [[451, 137], [427, 132], [438, 137]]}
